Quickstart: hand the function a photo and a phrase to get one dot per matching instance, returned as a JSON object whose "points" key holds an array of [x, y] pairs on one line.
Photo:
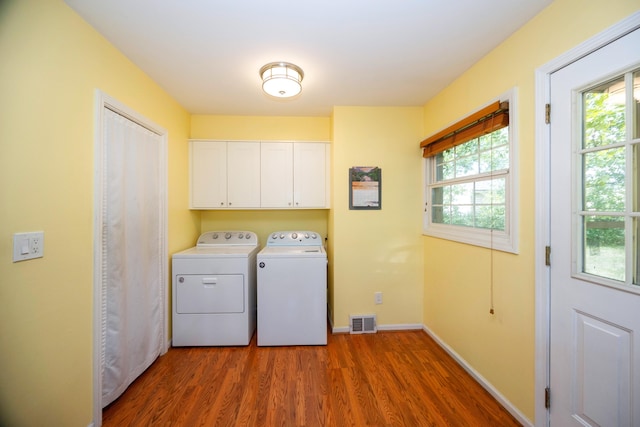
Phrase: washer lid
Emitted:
{"points": [[293, 252]]}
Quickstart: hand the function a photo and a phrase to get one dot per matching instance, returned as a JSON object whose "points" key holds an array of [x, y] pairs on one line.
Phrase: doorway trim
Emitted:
{"points": [[542, 193], [102, 101]]}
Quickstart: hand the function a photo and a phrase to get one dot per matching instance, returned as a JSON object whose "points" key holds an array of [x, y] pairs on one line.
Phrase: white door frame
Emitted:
{"points": [[542, 214], [102, 101]]}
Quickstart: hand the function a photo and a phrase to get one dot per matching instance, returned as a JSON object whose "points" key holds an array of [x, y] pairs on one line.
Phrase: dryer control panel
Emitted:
{"points": [[294, 238], [220, 238]]}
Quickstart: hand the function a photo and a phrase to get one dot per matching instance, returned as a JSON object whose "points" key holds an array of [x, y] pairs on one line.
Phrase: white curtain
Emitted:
{"points": [[132, 253]]}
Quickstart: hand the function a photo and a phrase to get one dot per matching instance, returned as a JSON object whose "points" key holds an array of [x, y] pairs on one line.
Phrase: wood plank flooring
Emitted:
{"points": [[398, 378]]}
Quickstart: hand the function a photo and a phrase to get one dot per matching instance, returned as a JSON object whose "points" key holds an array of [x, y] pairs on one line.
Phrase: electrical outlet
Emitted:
{"points": [[378, 297], [28, 246]]}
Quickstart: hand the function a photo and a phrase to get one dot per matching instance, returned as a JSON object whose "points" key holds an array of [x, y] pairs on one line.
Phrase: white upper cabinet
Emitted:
{"points": [[310, 160], [276, 175], [208, 174], [259, 175], [224, 175], [243, 175]]}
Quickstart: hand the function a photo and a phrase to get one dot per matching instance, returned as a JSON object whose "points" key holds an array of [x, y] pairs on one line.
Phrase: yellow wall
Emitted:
{"points": [[260, 128], [457, 277], [377, 250], [51, 63]]}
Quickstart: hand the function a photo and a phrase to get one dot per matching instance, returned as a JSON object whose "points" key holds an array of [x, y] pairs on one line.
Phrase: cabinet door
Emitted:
{"points": [[310, 175], [243, 174], [276, 175], [208, 174]]}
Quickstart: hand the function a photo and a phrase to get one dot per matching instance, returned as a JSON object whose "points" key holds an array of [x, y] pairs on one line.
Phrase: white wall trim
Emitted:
{"points": [[400, 327], [542, 214], [481, 380], [101, 101], [391, 327]]}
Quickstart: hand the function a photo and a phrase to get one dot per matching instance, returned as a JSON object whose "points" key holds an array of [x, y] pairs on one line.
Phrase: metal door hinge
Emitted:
{"points": [[547, 255], [547, 113], [547, 397]]}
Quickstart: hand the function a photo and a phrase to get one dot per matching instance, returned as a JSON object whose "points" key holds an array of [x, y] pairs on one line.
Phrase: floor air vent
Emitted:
{"points": [[365, 324]]}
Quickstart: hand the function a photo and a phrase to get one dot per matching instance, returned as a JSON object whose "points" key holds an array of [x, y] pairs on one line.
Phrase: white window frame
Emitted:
{"points": [[506, 240]]}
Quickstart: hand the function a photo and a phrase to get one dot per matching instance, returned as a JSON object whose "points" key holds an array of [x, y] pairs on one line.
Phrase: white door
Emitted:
{"points": [[595, 238]]}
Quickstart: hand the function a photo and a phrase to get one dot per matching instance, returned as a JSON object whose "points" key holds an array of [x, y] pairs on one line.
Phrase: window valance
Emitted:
{"points": [[491, 118]]}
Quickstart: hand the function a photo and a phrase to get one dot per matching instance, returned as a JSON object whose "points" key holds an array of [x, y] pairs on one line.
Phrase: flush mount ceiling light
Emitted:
{"points": [[281, 79]]}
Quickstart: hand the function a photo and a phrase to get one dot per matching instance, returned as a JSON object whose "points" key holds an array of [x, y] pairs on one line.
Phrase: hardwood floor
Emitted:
{"points": [[398, 378]]}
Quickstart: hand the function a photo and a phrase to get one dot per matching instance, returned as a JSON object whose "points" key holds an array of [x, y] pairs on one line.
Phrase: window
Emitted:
{"points": [[607, 159], [470, 180]]}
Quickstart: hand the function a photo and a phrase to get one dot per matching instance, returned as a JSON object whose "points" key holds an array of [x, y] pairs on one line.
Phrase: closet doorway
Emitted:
{"points": [[130, 250]]}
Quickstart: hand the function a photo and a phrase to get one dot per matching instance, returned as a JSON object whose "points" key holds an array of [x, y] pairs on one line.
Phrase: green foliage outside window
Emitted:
{"points": [[470, 183]]}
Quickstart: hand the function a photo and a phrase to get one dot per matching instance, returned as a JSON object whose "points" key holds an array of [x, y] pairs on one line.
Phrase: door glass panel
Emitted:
{"points": [[604, 108], [604, 173], [604, 247], [609, 158]]}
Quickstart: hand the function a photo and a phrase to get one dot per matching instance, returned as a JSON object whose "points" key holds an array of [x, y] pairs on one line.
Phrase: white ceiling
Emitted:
{"points": [[207, 53]]}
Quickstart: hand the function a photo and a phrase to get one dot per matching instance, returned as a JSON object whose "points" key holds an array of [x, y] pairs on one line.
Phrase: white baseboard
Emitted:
{"points": [[481, 380], [396, 327], [400, 327]]}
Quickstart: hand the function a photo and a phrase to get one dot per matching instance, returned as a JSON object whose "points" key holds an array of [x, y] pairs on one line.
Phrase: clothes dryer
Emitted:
{"points": [[292, 290], [214, 290]]}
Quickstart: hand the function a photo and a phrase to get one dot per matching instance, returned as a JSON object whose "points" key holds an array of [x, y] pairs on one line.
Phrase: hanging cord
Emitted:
{"points": [[491, 310], [491, 306]]}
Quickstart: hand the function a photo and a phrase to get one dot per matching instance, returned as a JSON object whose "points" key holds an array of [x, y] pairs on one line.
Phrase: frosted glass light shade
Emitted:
{"points": [[281, 79]]}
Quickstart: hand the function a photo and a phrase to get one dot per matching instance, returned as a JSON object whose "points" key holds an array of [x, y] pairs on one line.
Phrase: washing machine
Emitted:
{"points": [[214, 290], [292, 290]]}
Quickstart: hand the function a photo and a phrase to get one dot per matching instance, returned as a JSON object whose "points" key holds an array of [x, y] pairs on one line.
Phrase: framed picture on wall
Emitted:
{"points": [[365, 188]]}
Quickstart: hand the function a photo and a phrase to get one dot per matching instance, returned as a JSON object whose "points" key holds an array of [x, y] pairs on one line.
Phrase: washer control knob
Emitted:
{"points": [[274, 236], [240, 236], [227, 236], [282, 236], [294, 235], [314, 236], [306, 235], [215, 236], [247, 236]]}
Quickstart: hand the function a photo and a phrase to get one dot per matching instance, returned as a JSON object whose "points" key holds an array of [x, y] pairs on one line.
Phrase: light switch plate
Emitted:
{"points": [[28, 245]]}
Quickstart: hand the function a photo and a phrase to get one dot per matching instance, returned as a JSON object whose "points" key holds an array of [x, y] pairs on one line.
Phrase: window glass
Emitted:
{"points": [[479, 201], [604, 180], [604, 108], [610, 182]]}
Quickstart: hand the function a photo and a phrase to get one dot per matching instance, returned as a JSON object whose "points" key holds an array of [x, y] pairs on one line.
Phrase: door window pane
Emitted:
{"points": [[604, 108], [604, 253], [604, 185]]}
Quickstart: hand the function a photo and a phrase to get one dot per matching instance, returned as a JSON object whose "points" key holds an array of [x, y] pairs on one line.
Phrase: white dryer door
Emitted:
{"points": [[209, 293]]}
